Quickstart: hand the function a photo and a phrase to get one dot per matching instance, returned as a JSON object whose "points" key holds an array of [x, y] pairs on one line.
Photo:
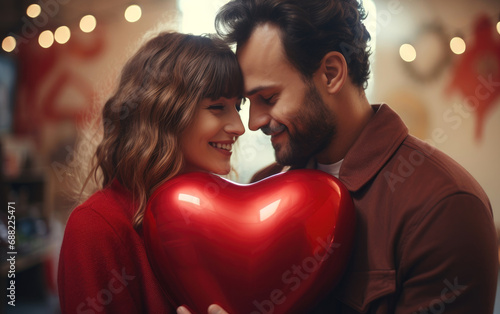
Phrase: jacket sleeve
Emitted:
{"points": [[449, 259], [265, 172], [95, 271]]}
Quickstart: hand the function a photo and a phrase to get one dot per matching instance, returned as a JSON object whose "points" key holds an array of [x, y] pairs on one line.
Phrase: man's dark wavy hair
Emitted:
{"points": [[309, 30]]}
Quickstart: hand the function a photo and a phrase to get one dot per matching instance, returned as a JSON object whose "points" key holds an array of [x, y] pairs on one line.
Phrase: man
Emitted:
{"points": [[425, 239]]}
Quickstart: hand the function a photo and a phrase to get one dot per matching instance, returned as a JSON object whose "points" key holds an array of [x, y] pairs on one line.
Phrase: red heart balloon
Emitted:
{"points": [[275, 246]]}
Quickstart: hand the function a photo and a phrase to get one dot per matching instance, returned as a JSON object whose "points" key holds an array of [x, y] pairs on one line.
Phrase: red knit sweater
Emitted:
{"points": [[103, 267]]}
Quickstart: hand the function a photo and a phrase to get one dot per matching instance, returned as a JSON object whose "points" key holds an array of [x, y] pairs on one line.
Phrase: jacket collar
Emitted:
{"points": [[378, 141]]}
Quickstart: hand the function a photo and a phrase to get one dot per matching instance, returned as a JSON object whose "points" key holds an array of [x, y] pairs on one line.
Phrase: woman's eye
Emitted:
{"points": [[216, 107]]}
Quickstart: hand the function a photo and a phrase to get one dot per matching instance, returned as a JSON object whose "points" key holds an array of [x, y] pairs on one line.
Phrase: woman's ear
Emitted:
{"points": [[333, 71]]}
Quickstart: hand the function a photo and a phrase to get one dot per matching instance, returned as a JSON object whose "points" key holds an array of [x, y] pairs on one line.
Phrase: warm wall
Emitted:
{"points": [[446, 119]]}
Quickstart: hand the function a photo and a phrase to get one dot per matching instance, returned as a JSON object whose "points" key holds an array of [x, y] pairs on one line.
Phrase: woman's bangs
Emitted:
{"points": [[224, 78]]}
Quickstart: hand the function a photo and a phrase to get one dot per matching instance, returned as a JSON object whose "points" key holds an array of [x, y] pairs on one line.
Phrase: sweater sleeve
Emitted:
{"points": [[95, 268], [450, 259]]}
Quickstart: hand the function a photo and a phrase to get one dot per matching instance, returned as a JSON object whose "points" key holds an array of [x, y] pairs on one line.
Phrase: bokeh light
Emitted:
{"points": [[133, 13], [9, 43], [407, 52], [62, 34], [46, 39], [457, 45], [88, 23], [33, 10]]}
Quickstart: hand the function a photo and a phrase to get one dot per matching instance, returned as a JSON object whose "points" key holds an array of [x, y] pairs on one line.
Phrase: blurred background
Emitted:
{"points": [[437, 63]]}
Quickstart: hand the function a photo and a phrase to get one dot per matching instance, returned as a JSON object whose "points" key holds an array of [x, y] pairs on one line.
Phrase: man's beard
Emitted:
{"points": [[315, 128]]}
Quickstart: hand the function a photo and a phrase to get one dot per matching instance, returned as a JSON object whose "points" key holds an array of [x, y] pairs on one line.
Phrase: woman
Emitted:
{"points": [[175, 111]]}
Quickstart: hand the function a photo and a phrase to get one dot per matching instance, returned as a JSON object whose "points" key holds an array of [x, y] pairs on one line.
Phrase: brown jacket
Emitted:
{"points": [[425, 242]]}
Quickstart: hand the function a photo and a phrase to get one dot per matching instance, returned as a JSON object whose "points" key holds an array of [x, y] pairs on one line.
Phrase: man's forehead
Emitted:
{"points": [[264, 38], [261, 58]]}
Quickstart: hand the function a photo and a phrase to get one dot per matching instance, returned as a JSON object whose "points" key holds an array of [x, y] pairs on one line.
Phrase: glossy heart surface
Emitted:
{"points": [[275, 246]]}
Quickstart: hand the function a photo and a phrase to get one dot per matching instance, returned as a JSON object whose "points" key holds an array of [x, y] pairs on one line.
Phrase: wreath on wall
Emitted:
{"points": [[441, 63]]}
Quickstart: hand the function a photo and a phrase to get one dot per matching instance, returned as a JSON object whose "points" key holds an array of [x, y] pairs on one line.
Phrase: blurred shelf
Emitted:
{"points": [[28, 259]]}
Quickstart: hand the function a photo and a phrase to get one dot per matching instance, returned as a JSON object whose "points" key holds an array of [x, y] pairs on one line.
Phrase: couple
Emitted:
{"points": [[425, 240]]}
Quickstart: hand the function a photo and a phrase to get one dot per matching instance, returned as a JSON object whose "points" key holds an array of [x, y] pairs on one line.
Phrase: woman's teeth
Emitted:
{"points": [[227, 147]]}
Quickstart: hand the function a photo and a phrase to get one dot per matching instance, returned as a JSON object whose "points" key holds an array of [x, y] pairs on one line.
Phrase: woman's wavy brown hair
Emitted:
{"points": [[156, 99]]}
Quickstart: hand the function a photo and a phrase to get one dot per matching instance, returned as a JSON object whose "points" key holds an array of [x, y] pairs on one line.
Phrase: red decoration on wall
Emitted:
{"points": [[43, 78], [477, 73]]}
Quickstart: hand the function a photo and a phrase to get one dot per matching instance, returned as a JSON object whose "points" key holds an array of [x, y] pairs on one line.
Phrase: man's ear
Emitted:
{"points": [[333, 71]]}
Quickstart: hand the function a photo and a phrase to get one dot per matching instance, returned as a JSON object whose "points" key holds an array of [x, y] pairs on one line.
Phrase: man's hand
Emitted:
{"points": [[212, 309]]}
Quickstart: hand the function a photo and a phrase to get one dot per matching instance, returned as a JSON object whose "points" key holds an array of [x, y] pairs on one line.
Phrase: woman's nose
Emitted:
{"points": [[235, 125]]}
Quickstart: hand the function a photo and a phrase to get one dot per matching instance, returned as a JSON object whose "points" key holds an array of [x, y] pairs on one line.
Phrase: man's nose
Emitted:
{"points": [[259, 117]]}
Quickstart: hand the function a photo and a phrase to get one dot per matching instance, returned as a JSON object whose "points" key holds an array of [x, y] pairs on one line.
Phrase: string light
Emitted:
{"points": [[9, 43], [62, 34], [407, 52], [88, 23], [33, 10], [457, 45], [133, 13], [46, 39]]}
